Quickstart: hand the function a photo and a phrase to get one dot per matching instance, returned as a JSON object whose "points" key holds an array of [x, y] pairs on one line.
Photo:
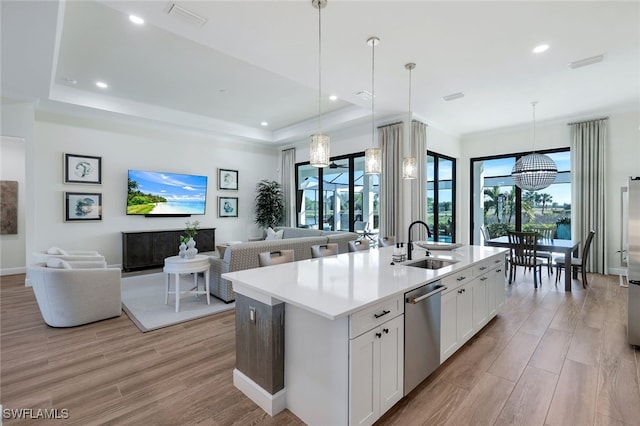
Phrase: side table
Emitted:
{"points": [[177, 265]]}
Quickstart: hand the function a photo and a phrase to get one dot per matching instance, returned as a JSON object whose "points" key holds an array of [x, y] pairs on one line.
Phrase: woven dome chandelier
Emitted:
{"points": [[534, 171]]}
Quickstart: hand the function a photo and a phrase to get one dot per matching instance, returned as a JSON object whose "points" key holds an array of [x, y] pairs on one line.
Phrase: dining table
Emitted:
{"points": [[568, 247]]}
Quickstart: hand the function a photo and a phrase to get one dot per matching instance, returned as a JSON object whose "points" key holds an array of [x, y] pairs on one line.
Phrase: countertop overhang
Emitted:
{"points": [[337, 286]]}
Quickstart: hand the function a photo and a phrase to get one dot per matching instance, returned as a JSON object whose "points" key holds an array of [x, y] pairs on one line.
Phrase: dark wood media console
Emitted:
{"points": [[148, 249]]}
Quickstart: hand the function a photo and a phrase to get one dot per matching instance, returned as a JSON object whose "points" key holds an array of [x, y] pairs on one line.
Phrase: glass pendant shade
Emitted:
{"points": [[534, 172], [319, 150], [372, 161], [409, 168]]}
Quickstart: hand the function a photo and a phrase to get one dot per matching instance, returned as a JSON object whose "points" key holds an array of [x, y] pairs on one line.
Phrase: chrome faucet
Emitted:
{"points": [[409, 243]]}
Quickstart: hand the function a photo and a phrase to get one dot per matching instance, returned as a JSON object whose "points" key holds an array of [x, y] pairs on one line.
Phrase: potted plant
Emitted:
{"points": [[563, 228], [269, 208]]}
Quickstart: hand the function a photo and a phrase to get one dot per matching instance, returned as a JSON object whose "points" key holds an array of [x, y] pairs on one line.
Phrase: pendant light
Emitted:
{"points": [[373, 155], [319, 147], [534, 171], [409, 164]]}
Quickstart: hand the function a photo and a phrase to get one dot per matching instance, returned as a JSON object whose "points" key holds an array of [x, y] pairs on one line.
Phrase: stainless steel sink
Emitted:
{"points": [[430, 263]]}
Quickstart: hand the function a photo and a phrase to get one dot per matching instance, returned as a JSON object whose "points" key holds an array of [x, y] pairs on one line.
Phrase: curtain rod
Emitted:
{"points": [[587, 121], [401, 122]]}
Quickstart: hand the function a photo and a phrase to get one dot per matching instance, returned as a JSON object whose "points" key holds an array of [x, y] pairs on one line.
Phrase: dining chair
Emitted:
{"points": [[358, 245], [523, 252], [577, 263], [322, 250], [275, 257], [546, 234], [389, 240], [485, 233]]}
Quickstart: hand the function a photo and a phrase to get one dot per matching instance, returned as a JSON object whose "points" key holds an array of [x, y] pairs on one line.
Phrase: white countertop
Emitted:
{"points": [[337, 286]]}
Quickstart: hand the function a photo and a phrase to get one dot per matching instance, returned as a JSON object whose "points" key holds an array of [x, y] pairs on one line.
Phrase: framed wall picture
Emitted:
{"points": [[227, 206], [81, 206], [228, 179], [82, 169]]}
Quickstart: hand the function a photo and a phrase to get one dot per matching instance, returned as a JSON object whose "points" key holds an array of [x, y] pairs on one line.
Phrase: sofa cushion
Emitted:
{"points": [[299, 232], [56, 250], [274, 235], [58, 263]]}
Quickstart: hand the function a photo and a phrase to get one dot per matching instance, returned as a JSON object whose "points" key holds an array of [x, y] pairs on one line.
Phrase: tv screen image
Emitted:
{"points": [[162, 194]]}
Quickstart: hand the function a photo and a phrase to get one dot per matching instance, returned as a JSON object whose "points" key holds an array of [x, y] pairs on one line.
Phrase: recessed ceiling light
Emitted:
{"points": [[541, 48], [102, 84], [333, 97], [136, 19], [264, 123]]}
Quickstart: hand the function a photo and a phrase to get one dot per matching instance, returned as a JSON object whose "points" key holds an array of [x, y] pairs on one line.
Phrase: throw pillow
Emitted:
{"points": [[273, 235], [58, 263], [53, 250]]}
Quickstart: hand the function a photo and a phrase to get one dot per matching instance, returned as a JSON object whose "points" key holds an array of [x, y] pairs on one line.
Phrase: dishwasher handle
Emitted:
{"points": [[414, 300]]}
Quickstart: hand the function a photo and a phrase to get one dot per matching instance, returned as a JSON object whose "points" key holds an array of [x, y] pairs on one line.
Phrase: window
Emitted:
{"points": [[501, 206], [335, 197], [441, 172]]}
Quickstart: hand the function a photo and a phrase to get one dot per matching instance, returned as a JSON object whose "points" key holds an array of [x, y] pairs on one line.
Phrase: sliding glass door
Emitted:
{"points": [[336, 197]]}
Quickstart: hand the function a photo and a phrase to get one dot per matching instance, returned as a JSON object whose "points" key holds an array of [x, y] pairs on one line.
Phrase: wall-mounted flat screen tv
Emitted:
{"points": [[165, 194]]}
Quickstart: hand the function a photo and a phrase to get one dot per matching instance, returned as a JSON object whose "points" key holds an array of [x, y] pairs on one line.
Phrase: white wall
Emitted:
{"points": [[623, 151], [124, 147], [16, 123]]}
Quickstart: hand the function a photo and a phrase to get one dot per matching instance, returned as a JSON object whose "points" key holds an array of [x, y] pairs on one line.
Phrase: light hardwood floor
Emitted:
{"points": [[549, 358]]}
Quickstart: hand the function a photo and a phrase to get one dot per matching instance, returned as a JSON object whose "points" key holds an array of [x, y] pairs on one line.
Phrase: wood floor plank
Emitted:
{"points": [[484, 403], [618, 385], [530, 400], [552, 350], [574, 399], [514, 358], [586, 345]]}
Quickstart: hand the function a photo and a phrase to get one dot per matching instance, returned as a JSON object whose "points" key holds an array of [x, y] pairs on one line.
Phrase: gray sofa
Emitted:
{"points": [[238, 257]]}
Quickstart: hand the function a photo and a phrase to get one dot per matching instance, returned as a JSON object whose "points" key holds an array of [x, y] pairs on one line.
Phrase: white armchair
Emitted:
{"points": [[71, 293]]}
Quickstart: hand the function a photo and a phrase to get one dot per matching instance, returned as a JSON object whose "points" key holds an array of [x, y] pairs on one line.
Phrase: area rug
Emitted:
{"points": [[143, 301]]}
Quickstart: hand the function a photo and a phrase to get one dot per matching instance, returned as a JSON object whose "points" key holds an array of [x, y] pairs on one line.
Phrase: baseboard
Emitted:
{"points": [[271, 404], [617, 271], [13, 271]]}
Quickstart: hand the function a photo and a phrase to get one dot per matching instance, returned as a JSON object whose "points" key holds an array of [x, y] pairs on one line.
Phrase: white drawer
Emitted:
{"points": [[483, 267], [457, 279], [497, 260], [375, 315]]}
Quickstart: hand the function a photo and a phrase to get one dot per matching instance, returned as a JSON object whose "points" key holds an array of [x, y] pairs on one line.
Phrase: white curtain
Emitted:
{"points": [[287, 171], [419, 185], [390, 180], [588, 185]]}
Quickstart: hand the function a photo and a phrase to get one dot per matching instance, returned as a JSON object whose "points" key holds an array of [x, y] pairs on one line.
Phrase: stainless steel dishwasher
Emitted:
{"points": [[421, 333]]}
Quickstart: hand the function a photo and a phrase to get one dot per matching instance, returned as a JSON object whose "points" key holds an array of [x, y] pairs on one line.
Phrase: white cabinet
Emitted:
{"points": [[473, 297], [456, 319], [480, 290], [376, 371]]}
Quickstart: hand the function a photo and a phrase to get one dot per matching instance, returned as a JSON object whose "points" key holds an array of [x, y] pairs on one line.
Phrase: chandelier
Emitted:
{"points": [[373, 155], [320, 143], [534, 171], [409, 164]]}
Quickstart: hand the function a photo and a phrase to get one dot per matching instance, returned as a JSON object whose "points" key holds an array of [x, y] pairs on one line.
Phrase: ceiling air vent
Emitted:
{"points": [[587, 61], [363, 94], [453, 96], [186, 15]]}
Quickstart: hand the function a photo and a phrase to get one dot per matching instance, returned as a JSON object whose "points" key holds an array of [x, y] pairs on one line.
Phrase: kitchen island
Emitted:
{"points": [[325, 337]]}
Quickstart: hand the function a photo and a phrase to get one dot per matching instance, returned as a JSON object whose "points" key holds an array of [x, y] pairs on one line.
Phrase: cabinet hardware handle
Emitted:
{"points": [[482, 268], [497, 261], [378, 335], [499, 270], [461, 278], [385, 330], [483, 279], [384, 312], [459, 291]]}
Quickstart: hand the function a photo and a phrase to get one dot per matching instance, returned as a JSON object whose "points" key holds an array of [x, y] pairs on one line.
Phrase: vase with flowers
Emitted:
{"points": [[187, 242]]}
